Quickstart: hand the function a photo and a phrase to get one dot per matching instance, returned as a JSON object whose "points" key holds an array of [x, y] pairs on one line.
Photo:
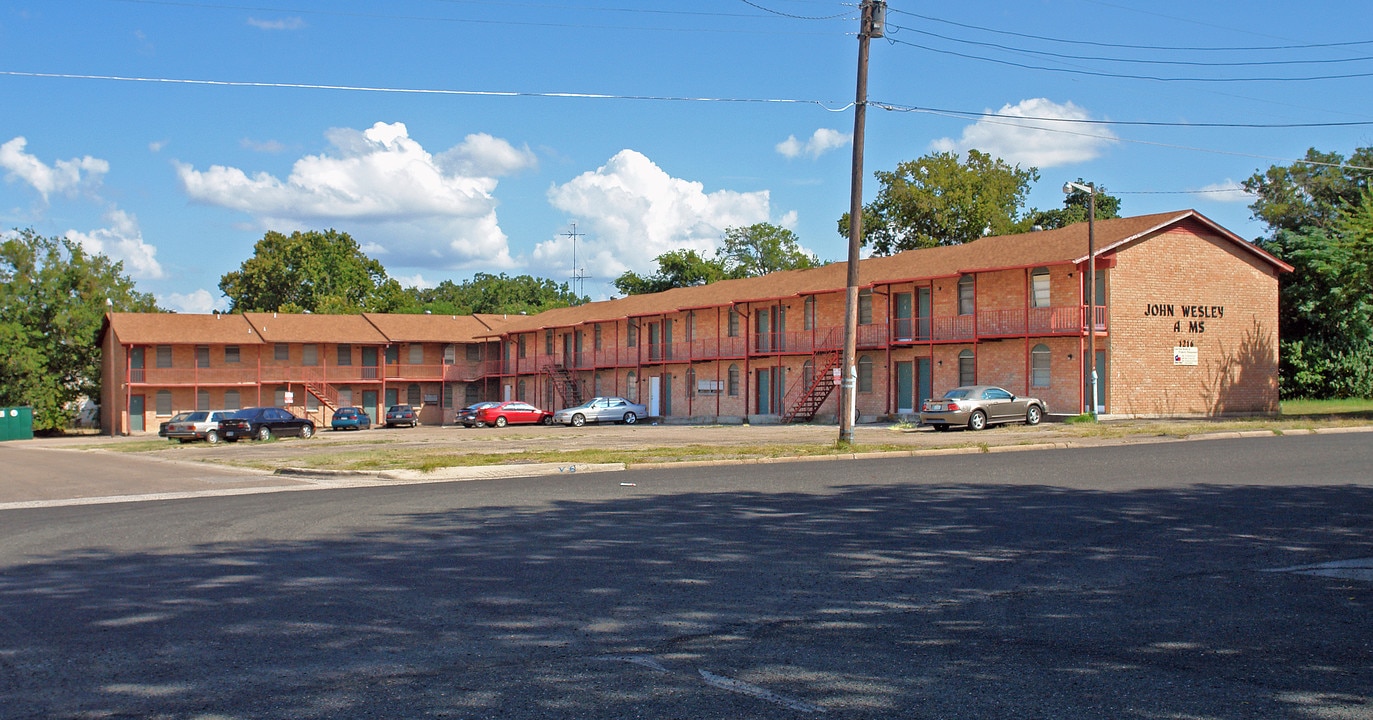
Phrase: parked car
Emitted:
{"points": [[513, 413], [398, 415], [350, 418], [262, 423], [601, 409], [162, 429], [977, 406], [199, 425], [468, 415]]}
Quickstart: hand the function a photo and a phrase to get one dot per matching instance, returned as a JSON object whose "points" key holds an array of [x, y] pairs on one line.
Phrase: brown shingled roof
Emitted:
{"points": [[429, 328], [1048, 247], [311, 328], [175, 328]]}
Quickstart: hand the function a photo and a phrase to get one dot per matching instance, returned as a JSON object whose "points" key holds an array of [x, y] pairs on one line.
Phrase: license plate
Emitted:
{"points": [[228, 433], [937, 407]]}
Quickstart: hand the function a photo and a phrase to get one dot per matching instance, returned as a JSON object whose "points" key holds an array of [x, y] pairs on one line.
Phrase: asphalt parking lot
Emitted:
{"points": [[91, 468]]}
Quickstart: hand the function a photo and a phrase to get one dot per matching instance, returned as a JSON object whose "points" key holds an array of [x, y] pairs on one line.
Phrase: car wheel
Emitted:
{"points": [[212, 437], [1034, 415], [500, 421], [479, 424], [977, 421], [578, 420], [264, 433], [631, 418], [548, 420], [183, 441], [307, 430]]}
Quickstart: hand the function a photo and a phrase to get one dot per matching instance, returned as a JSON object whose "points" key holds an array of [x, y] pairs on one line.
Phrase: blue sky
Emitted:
{"points": [[487, 129]]}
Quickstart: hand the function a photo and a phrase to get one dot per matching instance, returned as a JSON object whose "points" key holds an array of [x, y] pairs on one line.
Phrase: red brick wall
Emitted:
{"points": [[1154, 289]]}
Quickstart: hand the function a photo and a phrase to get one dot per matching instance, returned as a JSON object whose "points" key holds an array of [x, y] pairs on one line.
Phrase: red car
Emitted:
{"points": [[511, 413]]}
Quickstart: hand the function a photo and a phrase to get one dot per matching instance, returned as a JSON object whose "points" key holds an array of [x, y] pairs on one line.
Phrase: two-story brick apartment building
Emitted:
{"points": [[1185, 324], [157, 364]]}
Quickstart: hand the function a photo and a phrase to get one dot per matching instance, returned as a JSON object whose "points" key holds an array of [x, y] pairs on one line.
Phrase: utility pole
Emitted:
{"points": [[872, 24]]}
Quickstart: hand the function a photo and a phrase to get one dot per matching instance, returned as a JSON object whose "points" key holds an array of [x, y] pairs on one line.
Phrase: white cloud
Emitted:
{"points": [[1228, 191], [1038, 143], [199, 301], [63, 176], [123, 241], [484, 155], [414, 281], [820, 142], [264, 146], [632, 211], [291, 23], [157, 145], [394, 195]]}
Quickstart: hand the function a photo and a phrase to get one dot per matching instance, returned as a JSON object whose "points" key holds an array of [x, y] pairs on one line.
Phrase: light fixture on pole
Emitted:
{"points": [[1090, 189]]}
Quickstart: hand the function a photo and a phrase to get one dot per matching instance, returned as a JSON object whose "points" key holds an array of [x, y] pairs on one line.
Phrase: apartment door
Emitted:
{"points": [[905, 387], [655, 389], [369, 365], [923, 384], [136, 414], [569, 360], [922, 304], [136, 364], [369, 404], [392, 396], [901, 316]]}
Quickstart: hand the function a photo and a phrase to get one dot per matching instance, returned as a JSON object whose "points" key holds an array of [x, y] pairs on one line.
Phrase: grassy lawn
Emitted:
{"points": [[1327, 407]]}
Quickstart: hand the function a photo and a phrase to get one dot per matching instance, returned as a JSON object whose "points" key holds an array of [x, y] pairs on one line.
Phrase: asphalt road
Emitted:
{"points": [[1150, 581]]}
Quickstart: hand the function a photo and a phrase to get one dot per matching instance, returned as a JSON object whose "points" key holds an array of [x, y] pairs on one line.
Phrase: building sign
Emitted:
{"points": [[1184, 356], [1195, 316]]}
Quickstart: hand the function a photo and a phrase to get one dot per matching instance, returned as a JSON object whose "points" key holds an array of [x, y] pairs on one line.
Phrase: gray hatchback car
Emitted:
{"points": [[977, 406]]}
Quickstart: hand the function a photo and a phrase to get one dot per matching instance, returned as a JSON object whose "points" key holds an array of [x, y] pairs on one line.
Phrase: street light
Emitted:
{"points": [[1068, 188]]}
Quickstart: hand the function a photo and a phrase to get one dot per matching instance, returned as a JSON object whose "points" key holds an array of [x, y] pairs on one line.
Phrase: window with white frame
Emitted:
{"points": [[967, 368], [1039, 288], [1039, 366], [865, 374], [966, 295]]}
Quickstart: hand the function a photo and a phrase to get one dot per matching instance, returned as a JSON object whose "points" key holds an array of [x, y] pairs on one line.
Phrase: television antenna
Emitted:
{"points": [[578, 274]]}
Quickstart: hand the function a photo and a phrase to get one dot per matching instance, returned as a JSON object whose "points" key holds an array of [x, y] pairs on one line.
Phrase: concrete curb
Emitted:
{"points": [[457, 473]]}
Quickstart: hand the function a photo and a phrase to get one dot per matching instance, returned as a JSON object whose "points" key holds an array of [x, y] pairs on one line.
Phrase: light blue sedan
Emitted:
{"points": [[601, 409]]}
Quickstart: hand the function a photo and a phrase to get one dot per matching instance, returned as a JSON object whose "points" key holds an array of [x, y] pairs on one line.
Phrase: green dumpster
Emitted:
{"points": [[16, 423]]}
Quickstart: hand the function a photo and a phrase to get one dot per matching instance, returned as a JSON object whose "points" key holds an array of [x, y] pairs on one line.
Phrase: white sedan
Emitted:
{"points": [[601, 409]]}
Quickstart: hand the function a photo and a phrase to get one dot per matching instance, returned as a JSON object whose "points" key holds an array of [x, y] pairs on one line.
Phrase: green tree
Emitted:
{"points": [[1309, 193], [1075, 210], [324, 272], [1319, 219], [762, 248], [676, 268], [53, 298], [495, 294], [940, 200]]}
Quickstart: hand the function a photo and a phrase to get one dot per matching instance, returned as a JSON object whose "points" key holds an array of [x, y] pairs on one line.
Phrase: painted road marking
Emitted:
{"points": [[1358, 569], [744, 688]]}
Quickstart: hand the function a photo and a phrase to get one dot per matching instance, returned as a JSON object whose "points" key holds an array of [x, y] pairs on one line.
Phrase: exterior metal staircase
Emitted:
{"points": [[808, 401], [568, 387], [326, 394]]}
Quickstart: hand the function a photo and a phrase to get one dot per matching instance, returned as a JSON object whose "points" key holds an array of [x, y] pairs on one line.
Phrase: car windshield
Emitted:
{"points": [[243, 414], [197, 417], [957, 393]]}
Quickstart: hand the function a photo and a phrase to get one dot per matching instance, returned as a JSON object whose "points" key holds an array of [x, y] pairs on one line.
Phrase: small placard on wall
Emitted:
{"points": [[1184, 356]]}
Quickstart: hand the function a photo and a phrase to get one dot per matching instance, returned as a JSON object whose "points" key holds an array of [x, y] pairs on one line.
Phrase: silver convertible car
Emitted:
{"points": [[601, 409], [977, 406]]}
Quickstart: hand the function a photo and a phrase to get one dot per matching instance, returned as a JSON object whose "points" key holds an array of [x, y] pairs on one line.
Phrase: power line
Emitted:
{"points": [[1171, 48], [1127, 76], [843, 15], [421, 91], [1191, 63], [1139, 123]]}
